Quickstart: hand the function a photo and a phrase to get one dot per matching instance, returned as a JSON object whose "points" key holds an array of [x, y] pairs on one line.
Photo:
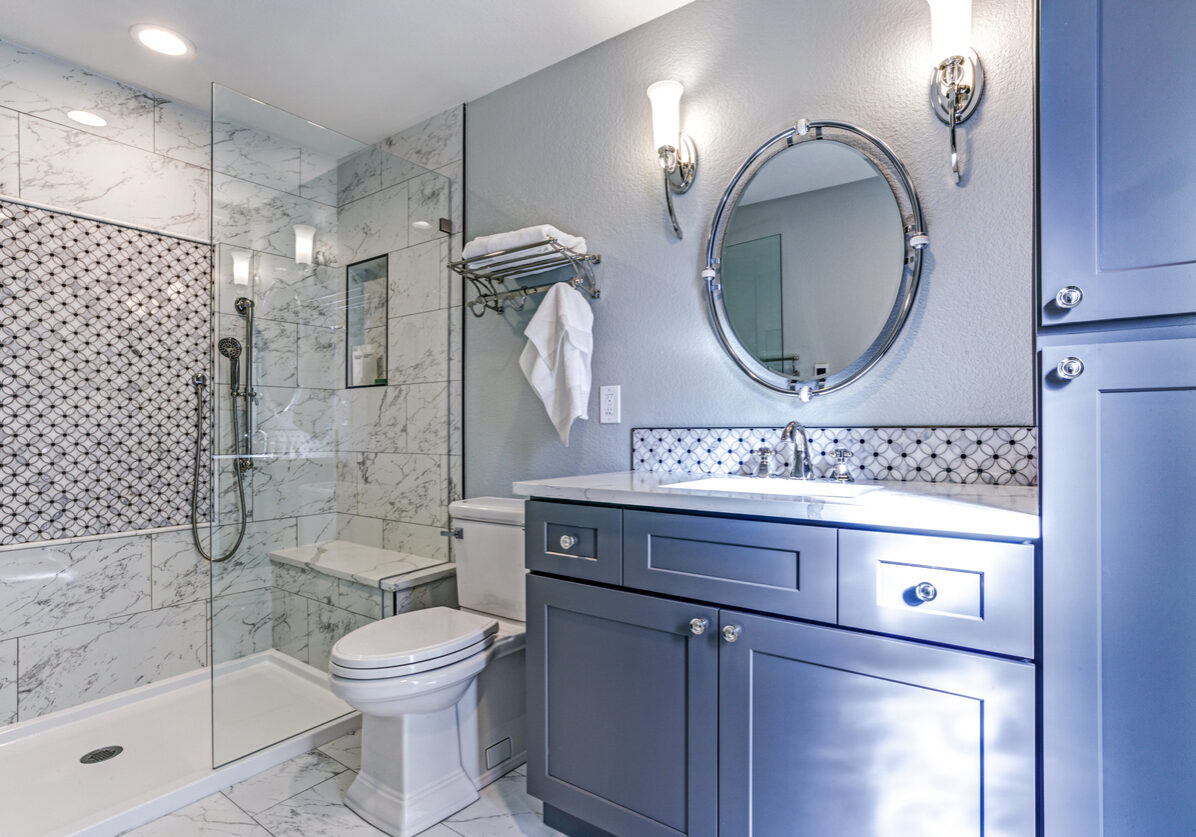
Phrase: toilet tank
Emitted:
{"points": [[489, 555]]}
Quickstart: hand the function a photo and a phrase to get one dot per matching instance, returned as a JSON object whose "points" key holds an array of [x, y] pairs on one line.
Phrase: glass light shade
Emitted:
{"points": [[950, 27], [305, 243], [241, 267], [665, 97]]}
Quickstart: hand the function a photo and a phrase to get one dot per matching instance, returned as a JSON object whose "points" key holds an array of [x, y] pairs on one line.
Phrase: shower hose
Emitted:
{"points": [[200, 383]]}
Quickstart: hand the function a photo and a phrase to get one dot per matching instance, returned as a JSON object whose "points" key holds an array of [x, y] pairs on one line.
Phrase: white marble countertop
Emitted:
{"points": [[993, 511], [369, 565]]}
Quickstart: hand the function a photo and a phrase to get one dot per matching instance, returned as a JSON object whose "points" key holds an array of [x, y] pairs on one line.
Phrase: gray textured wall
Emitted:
{"points": [[571, 145]]}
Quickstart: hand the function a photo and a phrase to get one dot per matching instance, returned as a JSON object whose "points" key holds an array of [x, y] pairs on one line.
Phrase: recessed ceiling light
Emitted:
{"points": [[160, 39], [84, 117]]}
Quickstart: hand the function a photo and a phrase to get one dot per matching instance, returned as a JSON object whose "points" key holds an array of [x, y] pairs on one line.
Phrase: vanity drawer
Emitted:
{"points": [[774, 567], [577, 541], [974, 594]]}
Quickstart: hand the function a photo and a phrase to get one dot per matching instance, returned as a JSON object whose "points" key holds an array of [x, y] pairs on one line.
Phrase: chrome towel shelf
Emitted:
{"points": [[489, 273]]}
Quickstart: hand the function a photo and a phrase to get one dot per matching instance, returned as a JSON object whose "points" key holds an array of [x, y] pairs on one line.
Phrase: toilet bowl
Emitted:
{"points": [[441, 690]]}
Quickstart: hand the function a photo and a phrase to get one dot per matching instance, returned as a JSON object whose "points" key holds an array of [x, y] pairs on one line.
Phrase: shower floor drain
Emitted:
{"points": [[101, 754]]}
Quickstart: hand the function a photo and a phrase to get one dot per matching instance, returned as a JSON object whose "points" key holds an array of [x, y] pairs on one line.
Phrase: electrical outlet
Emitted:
{"points": [[609, 411], [820, 369]]}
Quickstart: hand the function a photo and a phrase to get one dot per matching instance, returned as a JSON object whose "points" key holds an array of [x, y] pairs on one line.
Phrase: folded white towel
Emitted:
{"points": [[518, 238], [556, 359]]}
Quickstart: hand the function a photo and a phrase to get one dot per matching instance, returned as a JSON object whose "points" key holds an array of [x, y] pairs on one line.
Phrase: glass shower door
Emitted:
{"points": [[331, 330]]}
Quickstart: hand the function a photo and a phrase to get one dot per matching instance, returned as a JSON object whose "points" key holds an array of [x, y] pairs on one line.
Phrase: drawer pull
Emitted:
{"points": [[568, 541], [926, 592], [698, 626], [731, 632]]}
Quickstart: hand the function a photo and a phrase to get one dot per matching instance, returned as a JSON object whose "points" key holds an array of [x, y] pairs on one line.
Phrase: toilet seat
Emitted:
{"points": [[409, 643]]}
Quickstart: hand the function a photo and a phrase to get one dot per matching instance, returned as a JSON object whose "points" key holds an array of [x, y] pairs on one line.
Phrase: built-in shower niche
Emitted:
{"points": [[366, 297]]}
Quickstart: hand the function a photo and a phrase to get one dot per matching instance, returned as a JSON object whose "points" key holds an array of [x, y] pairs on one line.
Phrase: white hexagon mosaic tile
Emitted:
{"points": [[993, 455], [101, 329]]}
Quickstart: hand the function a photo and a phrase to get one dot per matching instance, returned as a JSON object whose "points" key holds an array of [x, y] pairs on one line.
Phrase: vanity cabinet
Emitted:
{"points": [[1117, 166], [674, 709]]}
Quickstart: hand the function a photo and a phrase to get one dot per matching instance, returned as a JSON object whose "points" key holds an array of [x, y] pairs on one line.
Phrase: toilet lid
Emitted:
{"points": [[412, 638]]}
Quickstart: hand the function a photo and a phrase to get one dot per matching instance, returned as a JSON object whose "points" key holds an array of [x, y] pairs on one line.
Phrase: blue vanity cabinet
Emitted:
{"points": [[1117, 161], [622, 728], [1119, 589], [830, 732]]}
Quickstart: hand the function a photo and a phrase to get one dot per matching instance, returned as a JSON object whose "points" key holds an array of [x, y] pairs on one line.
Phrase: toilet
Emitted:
{"points": [[441, 690]]}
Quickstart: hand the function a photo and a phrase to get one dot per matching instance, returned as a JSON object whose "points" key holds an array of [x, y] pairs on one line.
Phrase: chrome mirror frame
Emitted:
{"points": [[916, 240]]}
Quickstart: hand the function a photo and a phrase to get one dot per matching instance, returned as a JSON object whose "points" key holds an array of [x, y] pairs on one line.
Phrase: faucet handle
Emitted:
{"points": [[763, 462], [842, 471]]}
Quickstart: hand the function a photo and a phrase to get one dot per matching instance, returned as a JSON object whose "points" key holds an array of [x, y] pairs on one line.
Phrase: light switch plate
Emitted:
{"points": [[609, 408]]}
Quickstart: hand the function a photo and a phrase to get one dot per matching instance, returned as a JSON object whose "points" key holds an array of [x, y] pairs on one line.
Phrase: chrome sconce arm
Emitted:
{"points": [[679, 166], [956, 86]]}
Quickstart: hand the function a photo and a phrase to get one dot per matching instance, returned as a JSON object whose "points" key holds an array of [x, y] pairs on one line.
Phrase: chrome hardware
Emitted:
{"points": [[1070, 368], [926, 592], [698, 626], [956, 86], [763, 462], [800, 467], [568, 541], [842, 471], [452, 533], [1069, 297], [731, 632]]}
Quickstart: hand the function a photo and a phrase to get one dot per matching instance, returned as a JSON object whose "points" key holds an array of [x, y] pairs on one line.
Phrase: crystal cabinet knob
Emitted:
{"points": [[1070, 368], [926, 592], [568, 541], [1069, 297], [731, 632], [697, 627]]}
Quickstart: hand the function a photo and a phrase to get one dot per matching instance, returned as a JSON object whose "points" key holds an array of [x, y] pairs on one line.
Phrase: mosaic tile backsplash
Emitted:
{"points": [[992, 455], [101, 330]]}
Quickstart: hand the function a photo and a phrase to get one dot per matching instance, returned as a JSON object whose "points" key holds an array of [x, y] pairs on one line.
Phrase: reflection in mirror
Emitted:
{"points": [[813, 259], [366, 297]]}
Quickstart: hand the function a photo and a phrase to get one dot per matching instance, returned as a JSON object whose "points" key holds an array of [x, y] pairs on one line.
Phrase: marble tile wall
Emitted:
{"points": [[398, 462], [147, 167]]}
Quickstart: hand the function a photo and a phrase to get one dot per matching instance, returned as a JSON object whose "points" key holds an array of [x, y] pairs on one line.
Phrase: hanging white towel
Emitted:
{"points": [[520, 238], [556, 359]]}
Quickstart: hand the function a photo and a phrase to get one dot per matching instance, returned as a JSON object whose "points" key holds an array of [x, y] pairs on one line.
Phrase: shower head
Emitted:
{"points": [[230, 347]]}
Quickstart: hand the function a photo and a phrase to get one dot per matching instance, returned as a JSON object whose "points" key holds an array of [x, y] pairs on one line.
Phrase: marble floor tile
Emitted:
{"points": [[507, 796], [318, 812], [212, 816], [280, 783], [346, 750], [515, 825]]}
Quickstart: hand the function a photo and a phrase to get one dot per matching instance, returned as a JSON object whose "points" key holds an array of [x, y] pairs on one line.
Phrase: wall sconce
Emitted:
{"points": [[957, 82], [305, 243], [241, 267], [677, 152]]}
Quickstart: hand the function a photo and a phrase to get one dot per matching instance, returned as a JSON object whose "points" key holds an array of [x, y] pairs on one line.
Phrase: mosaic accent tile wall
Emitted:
{"points": [[993, 455], [101, 329]]}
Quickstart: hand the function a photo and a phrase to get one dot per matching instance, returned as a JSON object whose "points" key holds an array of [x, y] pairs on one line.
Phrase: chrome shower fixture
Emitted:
{"points": [[231, 348]]}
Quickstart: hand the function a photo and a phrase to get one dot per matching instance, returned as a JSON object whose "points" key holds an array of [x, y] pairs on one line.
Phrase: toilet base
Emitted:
{"points": [[411, 775]]}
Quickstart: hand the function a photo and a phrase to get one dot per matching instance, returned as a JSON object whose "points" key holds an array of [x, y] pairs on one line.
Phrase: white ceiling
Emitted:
{"points": [[366, 68]]}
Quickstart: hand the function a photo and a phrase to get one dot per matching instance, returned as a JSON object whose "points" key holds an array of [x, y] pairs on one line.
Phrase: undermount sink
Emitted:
{"points": [[781, 487]]}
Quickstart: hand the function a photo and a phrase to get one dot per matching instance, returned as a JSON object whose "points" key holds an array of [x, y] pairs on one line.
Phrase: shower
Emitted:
{"points": [[230, 348]]}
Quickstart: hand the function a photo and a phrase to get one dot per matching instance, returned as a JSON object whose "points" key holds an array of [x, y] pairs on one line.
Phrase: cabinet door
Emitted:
{"points": [[829, 733], [622, 709], [1119, 582], [1118, 165]]}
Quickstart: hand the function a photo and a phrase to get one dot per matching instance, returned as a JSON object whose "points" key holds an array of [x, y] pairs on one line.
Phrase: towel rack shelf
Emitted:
{"points": [[490, 272]]}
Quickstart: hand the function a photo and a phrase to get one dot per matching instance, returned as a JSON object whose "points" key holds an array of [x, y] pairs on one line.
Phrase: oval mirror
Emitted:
{"points": [[814, 257]]}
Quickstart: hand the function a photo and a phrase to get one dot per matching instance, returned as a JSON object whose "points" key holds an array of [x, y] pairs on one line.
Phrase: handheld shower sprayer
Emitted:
{"points": [[231, 349]]}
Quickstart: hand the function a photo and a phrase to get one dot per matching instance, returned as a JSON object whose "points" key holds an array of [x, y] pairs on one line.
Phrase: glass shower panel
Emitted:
{"points": [[343, 486]]}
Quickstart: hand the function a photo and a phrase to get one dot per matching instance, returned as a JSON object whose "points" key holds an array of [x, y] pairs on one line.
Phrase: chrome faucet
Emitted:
{"points": [[800, 468]]}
